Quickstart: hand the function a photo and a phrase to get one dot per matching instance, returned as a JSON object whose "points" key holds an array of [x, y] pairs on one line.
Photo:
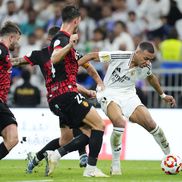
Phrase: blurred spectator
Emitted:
{"points": [[122, 40], [11, 13], [26, 6], [171, 48], [31, 45], [56, 19], [120, 12], [106, 20], [87, 25], [40, 35], [26, 95], [174, 13], [46, 12], [30, 26], [135, 26], [152, 11]]}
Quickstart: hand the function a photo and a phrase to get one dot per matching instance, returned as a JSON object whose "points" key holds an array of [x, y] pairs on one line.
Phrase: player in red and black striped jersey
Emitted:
{"points": [[42, 59], [67, 100], [10, 35]]}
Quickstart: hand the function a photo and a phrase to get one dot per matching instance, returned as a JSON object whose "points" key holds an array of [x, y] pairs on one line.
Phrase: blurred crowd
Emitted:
{"points": [[106, 25]]}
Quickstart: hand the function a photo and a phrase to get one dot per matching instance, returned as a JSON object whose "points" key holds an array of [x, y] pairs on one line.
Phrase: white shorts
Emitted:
{"points": [[128, 103]]}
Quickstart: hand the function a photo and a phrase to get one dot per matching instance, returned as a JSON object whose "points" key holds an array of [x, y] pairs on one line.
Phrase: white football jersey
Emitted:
{"points": [[119, 76]]}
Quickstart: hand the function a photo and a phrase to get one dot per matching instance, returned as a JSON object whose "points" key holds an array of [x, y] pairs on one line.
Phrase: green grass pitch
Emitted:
{"points": [[69, 171]]}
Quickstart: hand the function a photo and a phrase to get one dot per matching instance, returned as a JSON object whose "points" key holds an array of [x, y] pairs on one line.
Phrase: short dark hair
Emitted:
{"points": [[147, 46], [69, 13], [53, 30], [9, 27], [26, 75]]}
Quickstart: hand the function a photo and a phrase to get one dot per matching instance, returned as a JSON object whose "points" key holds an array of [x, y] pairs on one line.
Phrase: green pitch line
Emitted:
{"points": [[69, 171]]}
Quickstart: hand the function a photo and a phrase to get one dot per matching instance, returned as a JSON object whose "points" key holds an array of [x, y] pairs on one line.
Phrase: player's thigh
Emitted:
{"points": [[142, 116], [66, 135], [114, 113], [93, 120]]}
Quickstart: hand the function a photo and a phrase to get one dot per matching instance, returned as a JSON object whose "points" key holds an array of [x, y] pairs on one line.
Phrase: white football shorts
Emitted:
{"points": [[127, 102]]}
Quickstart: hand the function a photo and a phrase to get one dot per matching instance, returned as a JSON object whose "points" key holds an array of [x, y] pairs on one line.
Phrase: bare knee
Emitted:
{"points": [[118, 122]]}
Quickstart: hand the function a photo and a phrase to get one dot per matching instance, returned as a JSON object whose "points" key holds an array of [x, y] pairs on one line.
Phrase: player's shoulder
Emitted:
{"points": [[3, 48]]}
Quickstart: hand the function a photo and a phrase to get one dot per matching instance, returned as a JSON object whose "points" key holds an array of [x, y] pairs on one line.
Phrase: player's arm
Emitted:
{"points": [[154, 82], [84, 91], [93, 56], [60, 52], [18, 61], [94, 74], [102, 56]]}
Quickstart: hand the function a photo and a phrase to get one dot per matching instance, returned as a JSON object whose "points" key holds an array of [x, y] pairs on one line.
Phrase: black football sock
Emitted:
{"points": [[95, 144], [52, 145], [76, 144], [3, 150], [77, 132]]}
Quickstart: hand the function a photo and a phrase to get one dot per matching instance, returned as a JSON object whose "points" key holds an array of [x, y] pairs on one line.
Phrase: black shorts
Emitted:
{"points": [[71, 107], [6, 116]]}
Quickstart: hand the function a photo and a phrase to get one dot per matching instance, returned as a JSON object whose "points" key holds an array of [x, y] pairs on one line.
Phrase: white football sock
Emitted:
{"points": [[160, 138], [116, 138]]}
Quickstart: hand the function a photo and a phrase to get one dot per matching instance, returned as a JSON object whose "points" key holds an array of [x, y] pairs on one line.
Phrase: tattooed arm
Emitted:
{"points": [[18, 61]]}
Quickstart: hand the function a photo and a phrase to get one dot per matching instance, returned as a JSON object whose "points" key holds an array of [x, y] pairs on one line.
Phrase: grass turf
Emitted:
{"points": [[68, 171]]}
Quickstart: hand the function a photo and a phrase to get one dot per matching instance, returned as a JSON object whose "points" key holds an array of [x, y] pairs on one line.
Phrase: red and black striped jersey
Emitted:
{"points": [[55, 87], [5, 72], [66, 70]]}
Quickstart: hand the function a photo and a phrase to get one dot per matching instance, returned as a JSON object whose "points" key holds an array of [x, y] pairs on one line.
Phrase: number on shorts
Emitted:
{"points": [[79, 98]]}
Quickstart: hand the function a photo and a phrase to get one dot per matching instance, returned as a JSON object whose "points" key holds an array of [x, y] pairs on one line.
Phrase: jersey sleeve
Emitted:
{"points": [[3, 52], [105, 56], [59, 42], [110, 56], [33, 57]]}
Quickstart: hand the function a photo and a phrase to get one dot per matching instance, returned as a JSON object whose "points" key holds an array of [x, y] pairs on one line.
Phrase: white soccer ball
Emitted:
{"points": [[171, 164]]}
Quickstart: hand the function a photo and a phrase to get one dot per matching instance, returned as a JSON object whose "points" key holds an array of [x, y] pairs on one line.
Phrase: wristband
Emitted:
{"points": [[163, 96]]}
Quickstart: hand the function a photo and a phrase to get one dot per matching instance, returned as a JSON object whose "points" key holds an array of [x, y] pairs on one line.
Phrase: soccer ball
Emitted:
{"points": [[171, 164]]}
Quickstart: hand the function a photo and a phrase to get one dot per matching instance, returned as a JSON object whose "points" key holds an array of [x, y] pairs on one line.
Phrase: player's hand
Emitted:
{"points": [[100, 87], [73, 39], [92, 94], [170, 100]]}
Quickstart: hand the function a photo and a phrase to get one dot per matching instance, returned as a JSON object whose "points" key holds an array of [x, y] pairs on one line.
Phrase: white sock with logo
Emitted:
{"points": [[160, 138], [116, 139]]}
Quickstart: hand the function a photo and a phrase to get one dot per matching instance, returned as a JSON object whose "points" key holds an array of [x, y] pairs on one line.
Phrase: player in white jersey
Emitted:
{"points": [[119, 97]]}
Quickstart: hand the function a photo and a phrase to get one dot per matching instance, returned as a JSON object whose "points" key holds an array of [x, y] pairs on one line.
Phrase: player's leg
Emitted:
{"points": [[142, 116], [82, 151], [10, 137], [76, 109], [8, 130], [96, 124], [53, 157], [115, 115]]}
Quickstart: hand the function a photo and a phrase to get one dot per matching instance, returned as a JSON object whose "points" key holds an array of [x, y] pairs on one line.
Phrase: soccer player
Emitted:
{"points": [[42, 59], [9, 36], [63, 94], [119, 96]]}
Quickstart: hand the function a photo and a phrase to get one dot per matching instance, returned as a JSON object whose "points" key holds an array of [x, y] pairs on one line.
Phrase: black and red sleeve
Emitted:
{"points": [[3, 52], [59, 42], [33, 57]]}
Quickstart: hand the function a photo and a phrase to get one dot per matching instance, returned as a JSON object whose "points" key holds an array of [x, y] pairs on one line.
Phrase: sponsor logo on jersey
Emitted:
{"points": [[85, 103]]}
